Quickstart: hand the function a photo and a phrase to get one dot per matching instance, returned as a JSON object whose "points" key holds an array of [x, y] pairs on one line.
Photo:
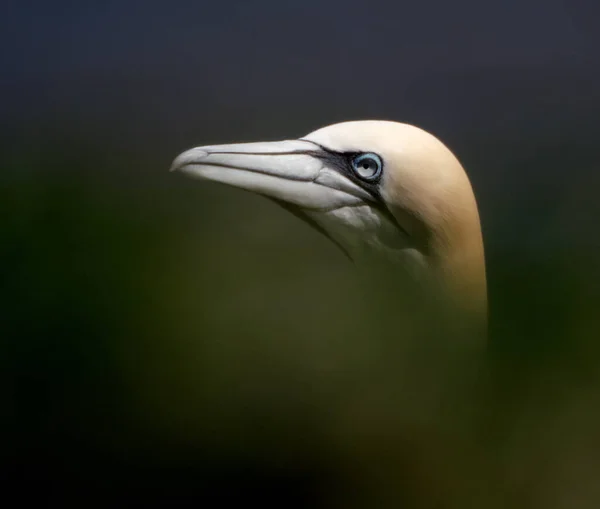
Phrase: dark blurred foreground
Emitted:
{"points": [[170, 342]]}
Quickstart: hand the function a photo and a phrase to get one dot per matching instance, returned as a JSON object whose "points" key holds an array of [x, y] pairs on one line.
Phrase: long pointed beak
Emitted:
{"points": [[295, 172]]}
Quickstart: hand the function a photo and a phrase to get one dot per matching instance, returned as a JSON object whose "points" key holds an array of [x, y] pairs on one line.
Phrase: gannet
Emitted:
{"points": [[377, 189]]}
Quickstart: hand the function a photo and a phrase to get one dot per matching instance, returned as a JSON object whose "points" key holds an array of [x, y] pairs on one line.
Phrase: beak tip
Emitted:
{"points": [[190, 156], [174, 167]]}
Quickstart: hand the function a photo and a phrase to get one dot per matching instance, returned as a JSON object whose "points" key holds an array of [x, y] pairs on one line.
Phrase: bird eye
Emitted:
{"points": [[367, 166]]}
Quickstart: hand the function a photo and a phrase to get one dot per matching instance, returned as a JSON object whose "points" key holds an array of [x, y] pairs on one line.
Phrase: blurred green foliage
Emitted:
{"points": [[181, 337]]}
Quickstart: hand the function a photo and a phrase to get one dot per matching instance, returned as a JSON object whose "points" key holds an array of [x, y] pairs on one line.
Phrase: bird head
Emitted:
{"points": [[375, 188]]}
